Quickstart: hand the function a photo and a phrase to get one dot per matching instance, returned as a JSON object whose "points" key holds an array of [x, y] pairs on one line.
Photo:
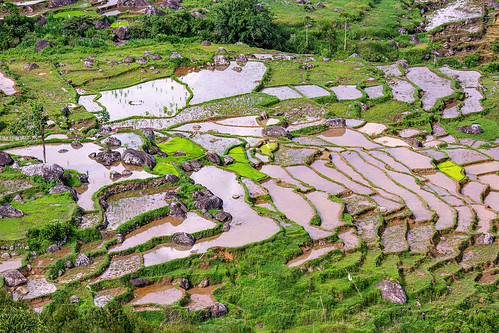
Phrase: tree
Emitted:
{"points": [[245, 21], [327, 31], [32, 123], [14, 26]]}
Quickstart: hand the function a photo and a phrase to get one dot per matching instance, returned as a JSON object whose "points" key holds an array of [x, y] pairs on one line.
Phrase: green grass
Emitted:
{"points": [[451, 169], [268, 148], [69, 14], [191, 150], [490, 128], [119, 24], [242, 166], [165, 168], [43, 210]]}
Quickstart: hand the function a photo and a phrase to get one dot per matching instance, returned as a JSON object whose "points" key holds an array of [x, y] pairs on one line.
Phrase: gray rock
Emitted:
{"points": [[335, 122], [204, 283], [29, 67], [171, 178], [241, 59], [155, 56], [76, 144], [223, 216], [69, 264], [320, 5], [222, 50], [228, 159], [208, 202], [186, 166], [115, 175], [129, 60], [171, 4], [133, 3], [276, 132], [195, 164], [42, 44], [213, 158], [177, 212], [183, 239], [355, 55], [218, 309], [74, 299], [485, 239], [5, 159], [65, 111], [142, 60], [121, 34], [108, 157], [220, 60], [205, 43], [5, 255], [179, 153], [82, 178], [83, 260], [42, 20], [60, 3], [170, 195], [48, 171], [175, 55], [13, 278], [140, 158], [111, 141], [403, 63], [470, 129], [183, 283], [148, 133], [120, 238], [151, 10], [102, 24], [52, 248], [414, 39], [58, 189], [139, 282], [392, 291], [414, 142]]}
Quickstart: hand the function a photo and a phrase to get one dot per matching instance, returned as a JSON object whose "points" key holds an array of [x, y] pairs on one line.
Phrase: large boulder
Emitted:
{"points": [[178, 210], [111, 141], [60, 3], [133, 3], [151, 10], [5, 159], [392, 291], [335, 122], [121, 34], [139, 282], [41, 21], [241, 59], [63, 188], [183, 239], [138, 157], [223, 216], [108, 157], [218, 309], [83, 260], [485, 239], [148, 133], [42, 44], [220, 60], [183, 283], [13, 278], [170, 178], [175, 55], [9, 212], [52, 248], [207, 202], [213, 158], [48, 171], [128, 60], [171, 4], [29, 67], [470, 129], [205, 43], [102, 24], [276, 132]]}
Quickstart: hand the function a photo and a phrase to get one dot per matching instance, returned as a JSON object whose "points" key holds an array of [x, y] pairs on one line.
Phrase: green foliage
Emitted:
{"points": [[17, 316], [179, 24], [244, 21], [89, 235], [452, 169], [77, 26], [14, 26]]}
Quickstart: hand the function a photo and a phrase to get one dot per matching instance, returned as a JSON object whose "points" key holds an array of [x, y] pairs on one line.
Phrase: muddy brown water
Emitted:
{"points": [[216, 144], [313, 253], [346, 92], [452, 12], [157, 294], [102, 297], [201, 298], [208, 84], [336, 175], [6, 265], [419, 237], [164, 227], [77, 159], [465, 156], [329, 211], [347, 137], [390, 70], [121, 266], [471, 103], [372, 129], [434, 86], [308, 176], [393, 239], [311, 91], [467, 79], [402, 90], [349, 238], [87, 101], [374, 92]]}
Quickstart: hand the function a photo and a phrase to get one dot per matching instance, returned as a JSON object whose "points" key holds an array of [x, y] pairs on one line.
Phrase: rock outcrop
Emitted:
{"points": [[5, 159], [13, 278], [42, 44], [139, 158], [218, 309], [276, 132], [108, 157], [392, 291], [133, 3], [63, 188], [60, 3], [9, 212], [470, 129], [183, 239], [206, 202], [220, 60], [83, 260], [49, 171], [335, 122]]}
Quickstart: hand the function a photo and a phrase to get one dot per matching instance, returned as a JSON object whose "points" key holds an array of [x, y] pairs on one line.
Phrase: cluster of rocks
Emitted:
{"points": [[277, 132]]}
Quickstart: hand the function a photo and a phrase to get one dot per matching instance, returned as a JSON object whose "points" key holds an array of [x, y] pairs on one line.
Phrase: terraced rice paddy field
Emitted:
{"points": [[286, 202]]}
